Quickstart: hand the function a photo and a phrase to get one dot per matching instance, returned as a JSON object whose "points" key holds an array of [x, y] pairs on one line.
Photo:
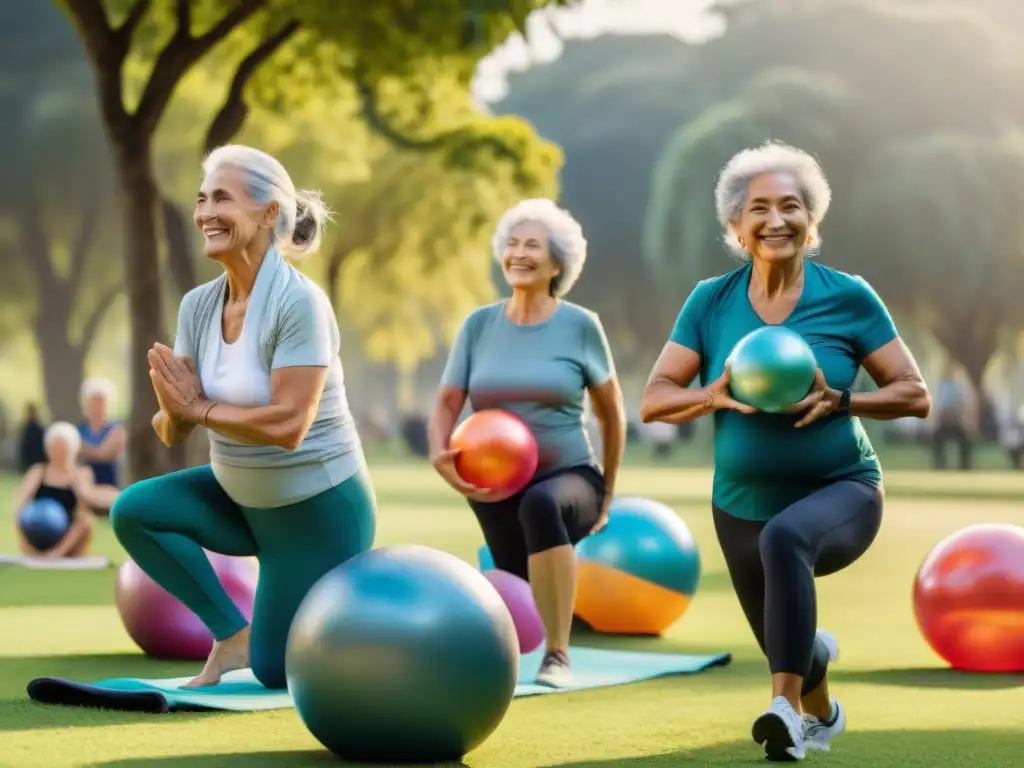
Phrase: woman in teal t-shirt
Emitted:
{"points": [[539, 356], [795, 495]]}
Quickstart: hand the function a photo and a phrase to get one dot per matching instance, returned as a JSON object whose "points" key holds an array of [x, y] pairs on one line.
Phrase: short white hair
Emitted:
{"points": [[90, 388], [770, 157], [566, 243], [66, 432], [303, 215]]}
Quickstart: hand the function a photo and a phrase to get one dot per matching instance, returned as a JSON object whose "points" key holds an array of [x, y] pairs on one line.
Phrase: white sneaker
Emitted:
{"points": [[555, 671], [781, 730], [830, 642], [818, 735]]}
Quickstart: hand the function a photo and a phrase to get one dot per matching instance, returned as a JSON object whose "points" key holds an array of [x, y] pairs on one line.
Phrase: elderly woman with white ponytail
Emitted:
{"points": [[538, 356], [255, 361], [795, 495], [72, 486]]}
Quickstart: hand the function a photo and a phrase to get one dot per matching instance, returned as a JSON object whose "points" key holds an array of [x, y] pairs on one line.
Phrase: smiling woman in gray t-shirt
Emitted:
{"points": [[538, 357], [256, 362]]}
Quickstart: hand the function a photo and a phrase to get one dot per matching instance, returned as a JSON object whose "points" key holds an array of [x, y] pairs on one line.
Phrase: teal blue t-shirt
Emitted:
{"points": [[762, 462], [539, 372]]}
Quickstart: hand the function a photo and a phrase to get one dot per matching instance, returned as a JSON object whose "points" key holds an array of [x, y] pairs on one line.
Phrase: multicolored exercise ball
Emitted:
{"points": [[639, 574], [402, 654], [969, 598], [497, 451], [771, 368], [161, 625]]}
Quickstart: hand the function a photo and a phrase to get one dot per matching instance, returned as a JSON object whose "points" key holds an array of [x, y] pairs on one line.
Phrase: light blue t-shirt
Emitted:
{"points": [[539, 372], [762, 462], [289, 323]]}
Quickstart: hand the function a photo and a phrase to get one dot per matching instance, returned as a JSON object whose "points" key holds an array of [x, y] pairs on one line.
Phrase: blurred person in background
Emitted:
{"points": [[955, 419], [31, 450], [103, 440], [61, 478]]}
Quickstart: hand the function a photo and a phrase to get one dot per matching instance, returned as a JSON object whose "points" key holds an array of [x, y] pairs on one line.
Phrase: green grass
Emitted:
{"points": [[904, 707]]}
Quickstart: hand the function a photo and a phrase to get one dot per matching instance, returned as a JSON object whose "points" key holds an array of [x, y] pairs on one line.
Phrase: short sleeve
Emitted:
{"points": [[184, 344], [305, 336], [456, 370], [689, 328], [598, 366], [874, 327]]}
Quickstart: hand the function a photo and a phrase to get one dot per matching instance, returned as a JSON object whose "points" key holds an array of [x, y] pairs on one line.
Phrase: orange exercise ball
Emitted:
{"points": [[497, 451], [969, 598]]}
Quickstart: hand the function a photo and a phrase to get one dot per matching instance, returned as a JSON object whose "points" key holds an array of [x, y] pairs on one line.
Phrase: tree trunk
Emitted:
{"points": [[405, 388], [63, 366], [139, 201]]}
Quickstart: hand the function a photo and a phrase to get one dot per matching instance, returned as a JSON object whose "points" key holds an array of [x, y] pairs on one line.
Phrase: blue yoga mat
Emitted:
{"points": [[240, 692]]}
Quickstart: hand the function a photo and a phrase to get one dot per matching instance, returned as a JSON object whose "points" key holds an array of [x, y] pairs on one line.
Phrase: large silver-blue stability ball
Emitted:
{"points": [[402, 654]]}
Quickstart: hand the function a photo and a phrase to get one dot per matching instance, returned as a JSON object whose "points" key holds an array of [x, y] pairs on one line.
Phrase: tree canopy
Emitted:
{"points": [[291, 48], [887, 96]]}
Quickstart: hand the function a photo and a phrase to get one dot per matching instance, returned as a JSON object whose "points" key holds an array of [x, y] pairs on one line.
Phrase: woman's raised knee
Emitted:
{"points": [[541, 519], [135, 507], [780, 540]]}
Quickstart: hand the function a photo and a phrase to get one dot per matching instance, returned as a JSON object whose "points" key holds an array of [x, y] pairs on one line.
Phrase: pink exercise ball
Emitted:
{"points": [[161, 625], [518, 598]]}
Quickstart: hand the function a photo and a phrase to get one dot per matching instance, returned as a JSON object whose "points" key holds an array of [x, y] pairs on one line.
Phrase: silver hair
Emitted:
{"points": [[96, 386], [566, 243], [65, 431], [770, 157], [303, 215]]}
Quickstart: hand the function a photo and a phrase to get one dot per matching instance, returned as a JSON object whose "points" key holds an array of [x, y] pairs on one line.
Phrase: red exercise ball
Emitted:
{"points": [[161, 625], [969, 598], [497, 451]]}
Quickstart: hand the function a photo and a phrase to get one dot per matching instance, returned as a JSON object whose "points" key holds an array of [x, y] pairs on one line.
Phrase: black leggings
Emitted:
{"points": [[550, 512], [773, 564]]}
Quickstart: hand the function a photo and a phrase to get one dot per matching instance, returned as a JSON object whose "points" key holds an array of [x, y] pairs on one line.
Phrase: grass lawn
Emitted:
{"points": [[904, 707]]}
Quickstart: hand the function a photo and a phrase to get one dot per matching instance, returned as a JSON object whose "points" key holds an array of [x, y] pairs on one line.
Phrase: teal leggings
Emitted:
{"points": [[165, 522]]}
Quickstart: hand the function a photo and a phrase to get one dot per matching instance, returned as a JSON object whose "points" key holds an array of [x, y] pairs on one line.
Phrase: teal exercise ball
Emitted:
{"points": [[771, 368], [402, 654]]}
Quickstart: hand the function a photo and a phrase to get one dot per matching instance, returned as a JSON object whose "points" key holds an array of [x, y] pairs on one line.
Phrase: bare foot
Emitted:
{"points": [[226, 656]]}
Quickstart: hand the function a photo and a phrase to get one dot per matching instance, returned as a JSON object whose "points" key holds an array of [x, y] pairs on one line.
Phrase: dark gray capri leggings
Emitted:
{"points": [[773, 565]]}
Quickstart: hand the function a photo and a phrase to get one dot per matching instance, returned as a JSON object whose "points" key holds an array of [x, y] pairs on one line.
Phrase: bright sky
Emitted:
{"points": [[686, 19]]}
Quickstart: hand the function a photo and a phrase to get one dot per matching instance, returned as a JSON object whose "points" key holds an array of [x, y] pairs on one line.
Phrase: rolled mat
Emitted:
{"points": [[240, 692]]}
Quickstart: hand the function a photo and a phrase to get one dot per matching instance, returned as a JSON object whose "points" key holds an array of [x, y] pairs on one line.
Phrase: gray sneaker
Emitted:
{"points": [[818, 735], [555, 671]]}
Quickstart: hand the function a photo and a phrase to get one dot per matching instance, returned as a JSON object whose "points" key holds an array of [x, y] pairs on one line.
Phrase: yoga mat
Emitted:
{"points": [[240, 692], [86, 563]]}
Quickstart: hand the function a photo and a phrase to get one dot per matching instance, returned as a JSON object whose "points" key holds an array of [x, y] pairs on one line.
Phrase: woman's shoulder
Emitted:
{"points": [[203, 292], [715, 288], [845, 284]]}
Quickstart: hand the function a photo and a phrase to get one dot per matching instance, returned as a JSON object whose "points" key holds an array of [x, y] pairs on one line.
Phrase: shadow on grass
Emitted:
{"points": [[978, 748], [21, 587], [929, 677], [18, 712], [289, 759]]}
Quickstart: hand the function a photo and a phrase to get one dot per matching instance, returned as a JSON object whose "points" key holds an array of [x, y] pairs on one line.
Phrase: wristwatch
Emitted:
{"points": [[844, 401]]}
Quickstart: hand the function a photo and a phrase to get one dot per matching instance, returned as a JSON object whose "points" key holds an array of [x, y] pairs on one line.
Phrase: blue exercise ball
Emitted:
{"points": [[402, 654], [771, 368], [44, 522]]}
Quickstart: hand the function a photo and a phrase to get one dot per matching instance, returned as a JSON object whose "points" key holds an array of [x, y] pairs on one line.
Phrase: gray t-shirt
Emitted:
{"points": [[289, 323], [539, 372]]}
